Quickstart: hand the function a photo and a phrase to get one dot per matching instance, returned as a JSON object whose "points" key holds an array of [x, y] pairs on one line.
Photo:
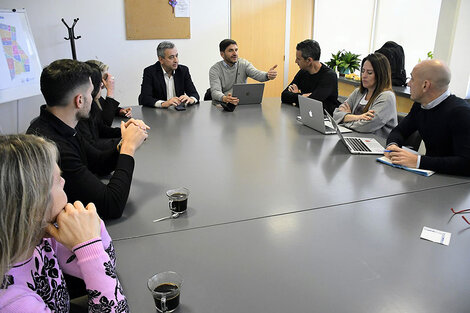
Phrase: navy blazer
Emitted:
{"points": [[153, 86]]}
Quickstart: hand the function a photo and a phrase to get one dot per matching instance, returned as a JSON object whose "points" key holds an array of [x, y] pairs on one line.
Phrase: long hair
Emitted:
{"points": [[96, 80], [103, 67], [26, 178], [383, 76]]}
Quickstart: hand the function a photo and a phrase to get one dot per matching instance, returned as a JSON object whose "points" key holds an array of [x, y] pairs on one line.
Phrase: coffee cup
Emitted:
{"points": [[178, 199], [166, 289]]}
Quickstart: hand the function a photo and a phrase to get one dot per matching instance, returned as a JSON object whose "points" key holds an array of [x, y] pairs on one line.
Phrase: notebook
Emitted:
{"points": [[418, 171], [357, 145], [248, 93], [311, 115]]}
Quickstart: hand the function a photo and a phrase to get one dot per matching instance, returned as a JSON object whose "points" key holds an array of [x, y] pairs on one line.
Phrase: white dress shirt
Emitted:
{"points": [[170, 88]]}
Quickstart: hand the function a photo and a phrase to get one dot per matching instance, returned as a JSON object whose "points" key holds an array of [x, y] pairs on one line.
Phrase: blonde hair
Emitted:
{"points": [[103, 67], [26, 177]]}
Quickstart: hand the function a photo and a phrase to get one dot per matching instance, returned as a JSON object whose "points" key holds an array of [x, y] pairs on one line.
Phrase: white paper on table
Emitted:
{"points": [[182, 8], [435, 235]]}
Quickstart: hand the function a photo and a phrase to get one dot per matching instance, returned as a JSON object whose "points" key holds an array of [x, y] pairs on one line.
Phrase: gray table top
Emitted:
{"points": [[255, 162], [358, 257]]}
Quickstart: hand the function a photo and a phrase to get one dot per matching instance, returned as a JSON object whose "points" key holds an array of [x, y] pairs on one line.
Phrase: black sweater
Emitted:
{"points": [[323, 85], [79, 160], [445, 130], [110, 108], [96, 132]]}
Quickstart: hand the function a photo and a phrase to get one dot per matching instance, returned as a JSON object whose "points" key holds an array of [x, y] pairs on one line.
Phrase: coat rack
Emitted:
{"points": [[72, 36]]}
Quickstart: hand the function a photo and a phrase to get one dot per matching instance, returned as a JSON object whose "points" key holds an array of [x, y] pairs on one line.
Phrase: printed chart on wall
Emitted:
{"points": [[20, 68]]}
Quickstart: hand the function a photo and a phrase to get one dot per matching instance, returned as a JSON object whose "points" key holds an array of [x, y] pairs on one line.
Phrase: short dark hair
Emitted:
{"points": [[61, 77], [96, 78], [310, 49], [225, 43]]}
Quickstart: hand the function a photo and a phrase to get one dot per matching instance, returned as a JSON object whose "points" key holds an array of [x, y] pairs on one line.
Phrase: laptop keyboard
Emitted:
{"points": [[357, 144]]}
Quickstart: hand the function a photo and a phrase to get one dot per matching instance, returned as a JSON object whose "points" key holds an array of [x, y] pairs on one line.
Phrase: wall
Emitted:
{"points": [[368, 24], [102, 27], [441, 26], [343, 24], [459, 59], [408, 33]]}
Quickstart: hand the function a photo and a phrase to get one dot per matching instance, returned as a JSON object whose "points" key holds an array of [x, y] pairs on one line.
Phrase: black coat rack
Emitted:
{"points": [[72, 36]]}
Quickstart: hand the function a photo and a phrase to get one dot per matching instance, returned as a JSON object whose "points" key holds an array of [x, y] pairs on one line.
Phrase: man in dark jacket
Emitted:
{"points": [[167, 83]]}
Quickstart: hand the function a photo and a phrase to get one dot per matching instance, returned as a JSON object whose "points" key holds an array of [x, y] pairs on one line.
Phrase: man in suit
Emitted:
{"points": [[167, 83]]}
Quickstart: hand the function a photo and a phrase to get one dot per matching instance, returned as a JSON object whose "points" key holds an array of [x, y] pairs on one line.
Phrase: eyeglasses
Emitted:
{"points": [[461, 212]]}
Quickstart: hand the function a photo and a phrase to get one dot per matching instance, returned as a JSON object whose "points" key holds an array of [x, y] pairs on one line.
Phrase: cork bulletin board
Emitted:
{"points": [[154, 19]]}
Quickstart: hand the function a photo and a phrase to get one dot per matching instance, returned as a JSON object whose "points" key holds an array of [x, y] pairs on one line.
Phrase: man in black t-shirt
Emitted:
{"points": [[314, 79]]}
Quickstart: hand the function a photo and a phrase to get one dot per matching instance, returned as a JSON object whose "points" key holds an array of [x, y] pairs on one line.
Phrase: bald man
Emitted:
{"points": [[442, 120]]}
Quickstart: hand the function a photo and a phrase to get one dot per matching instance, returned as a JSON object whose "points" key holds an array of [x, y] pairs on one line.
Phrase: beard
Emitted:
{"points": [[83, 114], [230, 61]]}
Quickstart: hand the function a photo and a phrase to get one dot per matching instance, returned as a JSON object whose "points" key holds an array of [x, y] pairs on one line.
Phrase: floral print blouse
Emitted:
{"points": [[38, 284]]}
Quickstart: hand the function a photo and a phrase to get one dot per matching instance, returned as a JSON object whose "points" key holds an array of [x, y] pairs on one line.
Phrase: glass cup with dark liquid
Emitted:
{"points": [[165, 288], [178, 199]]}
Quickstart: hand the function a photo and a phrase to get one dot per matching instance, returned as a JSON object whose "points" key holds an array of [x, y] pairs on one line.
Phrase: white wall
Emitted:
{"points": [[363, 26], [441, 26], [102, 27], [414, 28], [343, 24], [459, 64]]}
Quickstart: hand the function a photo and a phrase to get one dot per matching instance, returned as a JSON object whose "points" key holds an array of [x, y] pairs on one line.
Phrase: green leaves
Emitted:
{"points": [[344, 61]]}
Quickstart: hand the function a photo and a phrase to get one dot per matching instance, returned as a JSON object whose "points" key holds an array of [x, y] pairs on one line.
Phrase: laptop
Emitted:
{"points": [[311, 115], [248, 93], [357, 145]]}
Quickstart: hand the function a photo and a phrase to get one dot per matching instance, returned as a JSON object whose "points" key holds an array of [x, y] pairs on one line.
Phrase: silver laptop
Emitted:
{"points": [[311, 115], [357, 145], [248, 93]]}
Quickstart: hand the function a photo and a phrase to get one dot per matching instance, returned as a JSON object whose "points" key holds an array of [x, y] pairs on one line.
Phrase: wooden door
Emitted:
{"points": [[301, 28], [258, 26]]}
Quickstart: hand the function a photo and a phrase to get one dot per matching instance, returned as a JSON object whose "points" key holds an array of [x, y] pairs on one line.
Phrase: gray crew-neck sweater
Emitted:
{"points": [[222, 77]]}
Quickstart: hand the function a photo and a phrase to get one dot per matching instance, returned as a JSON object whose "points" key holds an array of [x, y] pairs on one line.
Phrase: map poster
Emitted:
{"points": [[20, 68]]}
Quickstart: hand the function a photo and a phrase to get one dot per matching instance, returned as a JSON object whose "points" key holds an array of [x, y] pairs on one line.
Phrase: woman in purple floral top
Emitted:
{"points": [[42, 236]]}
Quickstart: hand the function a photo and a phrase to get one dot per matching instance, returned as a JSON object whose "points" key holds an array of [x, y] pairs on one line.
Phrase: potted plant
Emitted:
{"points": [[344, 61]]}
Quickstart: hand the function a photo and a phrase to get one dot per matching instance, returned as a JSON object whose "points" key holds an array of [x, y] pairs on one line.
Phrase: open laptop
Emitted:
{"points": [[248, 93], [311, 115], [357, 145]]}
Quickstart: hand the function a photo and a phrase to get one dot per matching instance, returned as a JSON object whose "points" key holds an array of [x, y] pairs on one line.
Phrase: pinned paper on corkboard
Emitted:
{"points": [[154, 19]]}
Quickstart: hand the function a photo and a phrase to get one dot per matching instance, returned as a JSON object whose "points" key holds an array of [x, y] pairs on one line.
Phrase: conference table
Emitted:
{"points": [[282, 218]]}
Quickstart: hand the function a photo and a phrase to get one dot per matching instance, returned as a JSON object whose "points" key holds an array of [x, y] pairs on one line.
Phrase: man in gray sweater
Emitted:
{"points": [[233, 70]]}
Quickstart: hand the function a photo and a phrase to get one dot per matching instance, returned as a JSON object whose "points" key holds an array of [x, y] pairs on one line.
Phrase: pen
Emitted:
{"points": [[388, 151]]}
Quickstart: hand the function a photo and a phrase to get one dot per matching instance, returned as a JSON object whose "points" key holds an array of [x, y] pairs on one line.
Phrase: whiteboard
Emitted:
{"points": [[20, 69]]}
